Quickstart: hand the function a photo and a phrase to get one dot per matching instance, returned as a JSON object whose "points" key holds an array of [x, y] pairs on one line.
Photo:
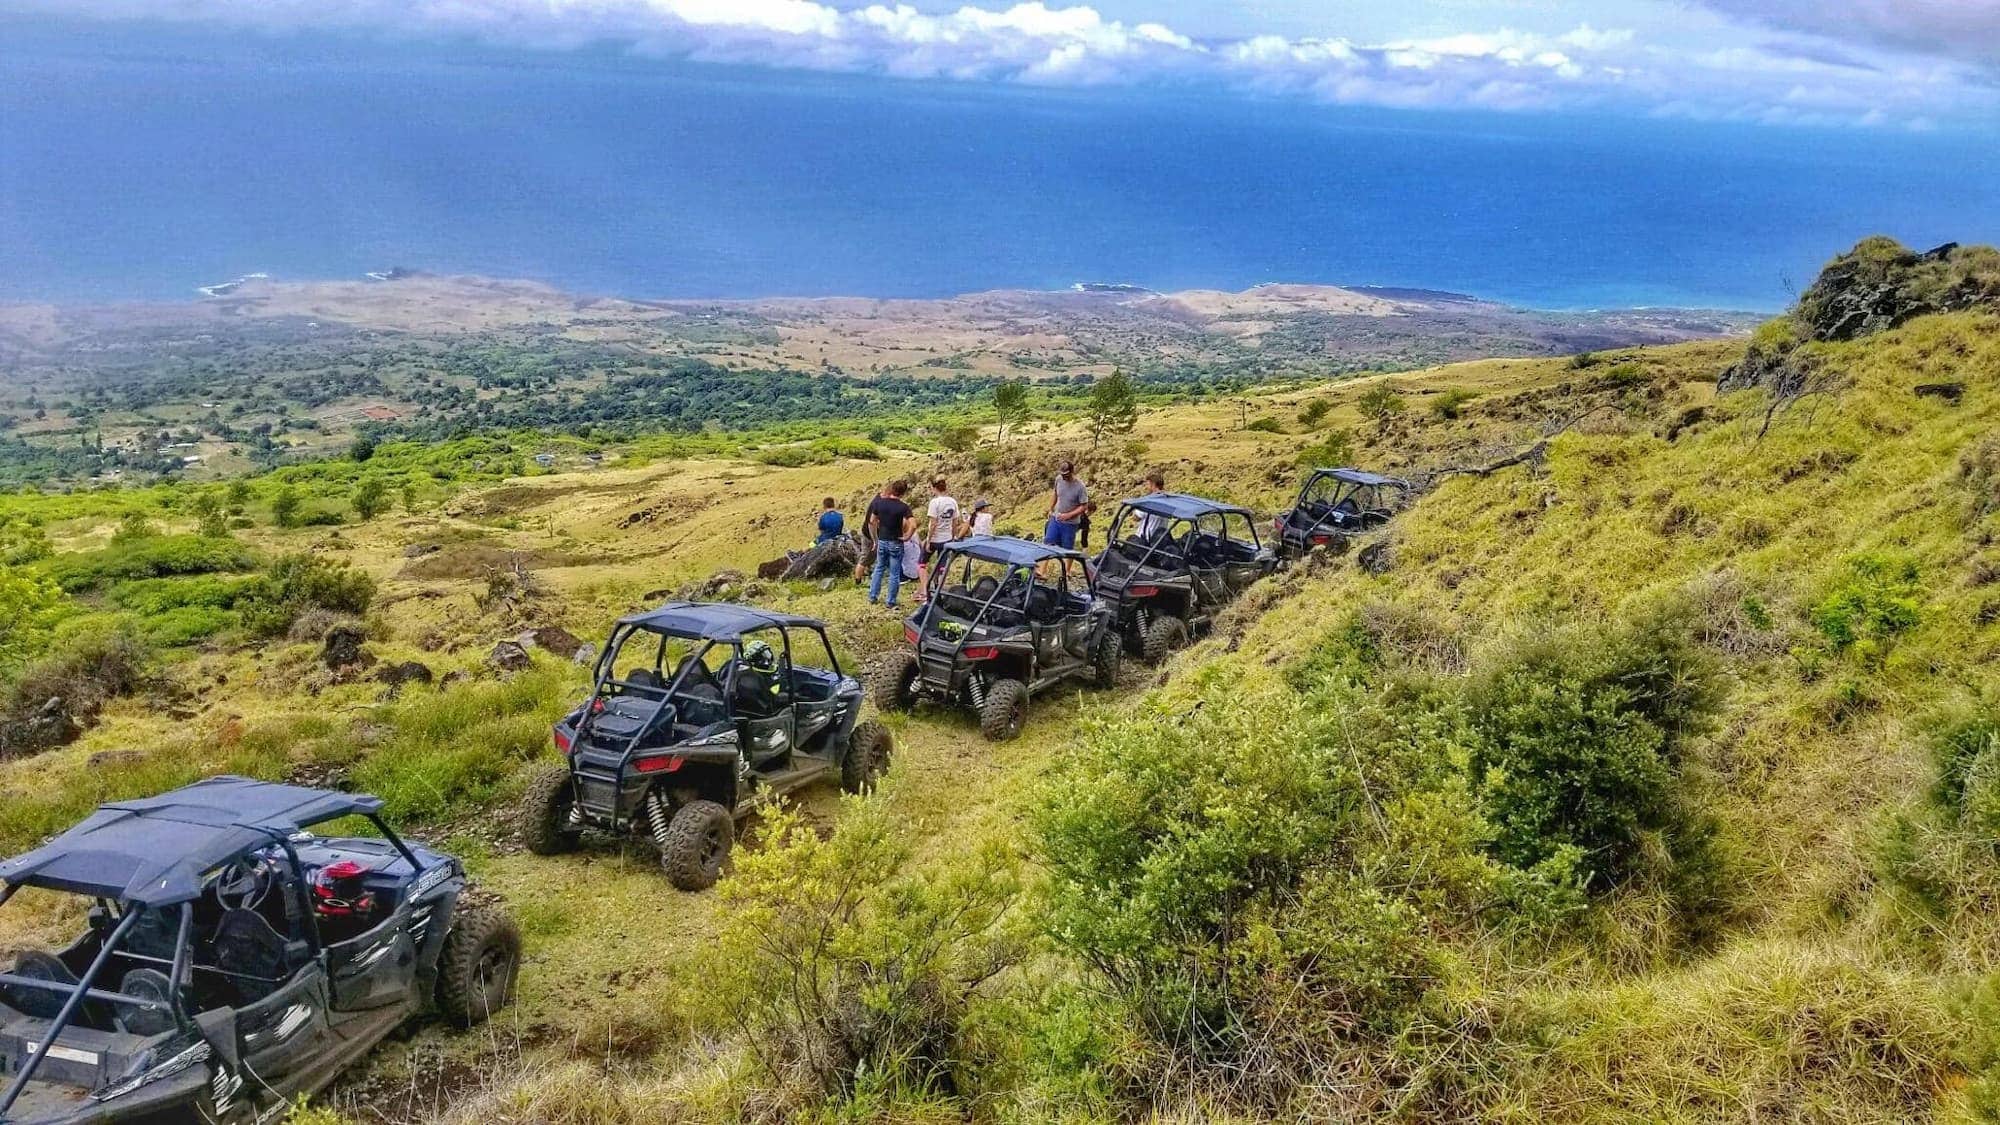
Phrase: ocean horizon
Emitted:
{"points": [[146, 169]]}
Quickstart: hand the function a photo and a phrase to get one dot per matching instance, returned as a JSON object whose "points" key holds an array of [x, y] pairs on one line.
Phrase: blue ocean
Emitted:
{"points": [[145, 166]]}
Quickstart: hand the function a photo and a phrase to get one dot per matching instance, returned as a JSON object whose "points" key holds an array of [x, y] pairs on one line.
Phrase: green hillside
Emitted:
{"points": [[1649, 771]]}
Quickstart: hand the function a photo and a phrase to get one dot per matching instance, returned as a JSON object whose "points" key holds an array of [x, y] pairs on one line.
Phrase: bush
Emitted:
{"points": [[1266, 426], [153, 557], [1380, 403], [1451, 404], [851, 975], [184, 625], [1877, 599], [90, 666], [153, 596], [1577, 742], [1332, 451], [300, 582], [1314, 412], [29, 606]]}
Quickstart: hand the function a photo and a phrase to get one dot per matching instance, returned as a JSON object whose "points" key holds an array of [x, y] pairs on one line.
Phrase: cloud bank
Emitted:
{"points": [[1798, 66]]}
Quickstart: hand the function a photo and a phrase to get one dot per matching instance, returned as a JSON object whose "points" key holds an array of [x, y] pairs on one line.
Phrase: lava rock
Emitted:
{"points": [[343, 649], [552, 639], [509, 656]]}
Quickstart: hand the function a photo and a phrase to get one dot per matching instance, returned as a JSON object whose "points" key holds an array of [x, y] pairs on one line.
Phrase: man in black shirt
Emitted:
{"points": [[888, 523]]}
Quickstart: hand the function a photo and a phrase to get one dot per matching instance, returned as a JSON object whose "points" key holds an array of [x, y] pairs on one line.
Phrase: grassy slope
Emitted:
{"points": [[1810, 756]]}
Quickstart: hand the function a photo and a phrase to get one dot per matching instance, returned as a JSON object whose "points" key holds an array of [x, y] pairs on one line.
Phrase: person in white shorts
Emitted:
{"points": [[942, 524]]}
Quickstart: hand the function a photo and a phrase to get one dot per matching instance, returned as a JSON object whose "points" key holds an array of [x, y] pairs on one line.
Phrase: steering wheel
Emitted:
{"points": [[246, 881]]}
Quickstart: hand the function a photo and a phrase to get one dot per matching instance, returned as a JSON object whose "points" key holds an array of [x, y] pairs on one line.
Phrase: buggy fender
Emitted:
{"points": [[431, 919], [849, 694]]}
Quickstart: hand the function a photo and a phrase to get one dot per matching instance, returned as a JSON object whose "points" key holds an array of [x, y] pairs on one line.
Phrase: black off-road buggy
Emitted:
{"points": [[1170, 563], [231, 960], [1334, 505], [698, 711], [1004, 619]]}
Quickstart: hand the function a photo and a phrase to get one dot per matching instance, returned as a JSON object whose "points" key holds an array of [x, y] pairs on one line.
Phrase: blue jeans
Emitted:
{"points": [[889, 560], [1056, 533]]}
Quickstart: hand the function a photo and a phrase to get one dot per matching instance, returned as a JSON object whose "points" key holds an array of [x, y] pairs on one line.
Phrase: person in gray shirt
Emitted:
{"points": [[1067, 505]]}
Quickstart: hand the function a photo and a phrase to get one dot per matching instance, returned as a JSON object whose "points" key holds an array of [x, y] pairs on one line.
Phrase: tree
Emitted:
{"points": [[1114, 407], [239, 494], [135, 526], [1010, 403], [1381, 403], [958, 439], [369, 496], [409, 496], [362, 449], [285, 506], [1313, 412]]}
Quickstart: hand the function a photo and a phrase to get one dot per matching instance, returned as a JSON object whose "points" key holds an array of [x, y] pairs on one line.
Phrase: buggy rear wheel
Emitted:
{"points": [[476, 968], [548, 812], [1163, 635], [695, 845], [893, 685], [867, 757], [1005, 711]]}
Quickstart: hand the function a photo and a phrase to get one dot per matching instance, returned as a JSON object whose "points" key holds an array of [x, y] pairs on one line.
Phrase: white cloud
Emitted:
{"points": [[1790, 76]]}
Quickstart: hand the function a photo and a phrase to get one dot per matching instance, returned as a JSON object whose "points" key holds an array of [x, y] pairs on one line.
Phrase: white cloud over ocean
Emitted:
{"points": [[1775, 61]]}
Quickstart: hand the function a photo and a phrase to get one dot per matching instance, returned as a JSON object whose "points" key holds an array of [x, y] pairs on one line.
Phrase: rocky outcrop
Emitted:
{"points": [[1878, 285]]}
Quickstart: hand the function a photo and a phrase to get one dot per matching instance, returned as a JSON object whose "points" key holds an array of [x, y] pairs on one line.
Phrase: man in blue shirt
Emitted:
{"points": [[831, 522]]}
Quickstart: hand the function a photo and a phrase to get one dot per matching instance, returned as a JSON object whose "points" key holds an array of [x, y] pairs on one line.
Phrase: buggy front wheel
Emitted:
{"points": [[476, 967], [1005, 711], [867, 757], [1106, 659]]}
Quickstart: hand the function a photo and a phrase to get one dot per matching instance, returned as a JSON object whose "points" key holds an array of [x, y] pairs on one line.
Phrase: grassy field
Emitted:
{"points": [[1805, 934]]}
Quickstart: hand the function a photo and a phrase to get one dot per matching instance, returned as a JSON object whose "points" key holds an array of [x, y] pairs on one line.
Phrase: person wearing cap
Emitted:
{"points": [[1150, 525], [1067, 504], [982, 517]]}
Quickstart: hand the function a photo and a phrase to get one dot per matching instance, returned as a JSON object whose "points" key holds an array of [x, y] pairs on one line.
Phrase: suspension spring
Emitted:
{"points": [[975, 687], [658, 816]]}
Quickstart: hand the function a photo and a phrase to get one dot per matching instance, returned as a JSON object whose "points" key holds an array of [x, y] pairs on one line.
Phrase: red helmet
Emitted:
{"points": [[337, 890]]}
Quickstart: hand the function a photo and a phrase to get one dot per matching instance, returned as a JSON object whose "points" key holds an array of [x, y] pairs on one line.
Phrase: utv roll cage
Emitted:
{"points": [[1020, 556], [1158, 548], [1336, 503], [146, 862], [693, 703]]}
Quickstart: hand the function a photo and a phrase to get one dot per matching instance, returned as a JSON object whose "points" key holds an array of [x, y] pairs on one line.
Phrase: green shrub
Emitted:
{"points": [[1333, 450], [852, 975], [1314, 412], [152, 596], [1266, 425], [184, 625], [1877, 599], [302, 581], [133, 528], [88, 665], [23, 540], [152, 557], [1577, 741], [1451, 404]]}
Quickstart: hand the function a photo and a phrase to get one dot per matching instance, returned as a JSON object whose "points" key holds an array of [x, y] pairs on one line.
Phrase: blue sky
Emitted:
{"points": [[1914, 64]]}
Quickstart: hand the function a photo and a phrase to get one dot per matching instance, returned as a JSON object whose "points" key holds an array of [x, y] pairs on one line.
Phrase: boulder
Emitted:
{"points": [[1377, 558], [343, 649], [105, 758], [834, 558], [509, 656], [405, 672], [552, 639], [419, 550], [1950, 392]]}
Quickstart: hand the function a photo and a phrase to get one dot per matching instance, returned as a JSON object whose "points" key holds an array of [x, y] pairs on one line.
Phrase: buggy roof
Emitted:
{"points": [[156, 851], [1007, 549], [1362, 476], [1180, 506], [715, 621]]}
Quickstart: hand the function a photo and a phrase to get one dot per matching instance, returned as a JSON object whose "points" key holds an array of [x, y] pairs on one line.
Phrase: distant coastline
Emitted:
{"points": [[225, 288]]}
